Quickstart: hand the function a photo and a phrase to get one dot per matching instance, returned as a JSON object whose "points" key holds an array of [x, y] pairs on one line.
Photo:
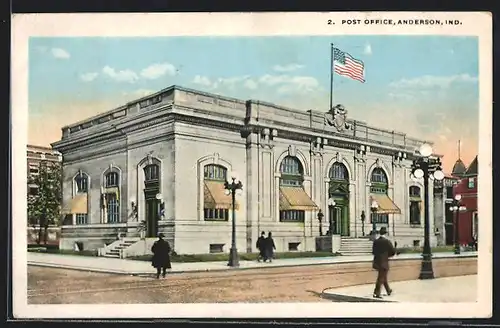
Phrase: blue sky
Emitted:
{"points": [[423, 85]]}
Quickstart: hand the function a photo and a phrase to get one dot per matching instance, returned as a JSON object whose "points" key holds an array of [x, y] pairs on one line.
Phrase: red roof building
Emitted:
{"points": [[467, 187]]}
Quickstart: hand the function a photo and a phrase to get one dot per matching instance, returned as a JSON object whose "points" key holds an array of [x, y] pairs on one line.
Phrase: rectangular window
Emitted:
{"points": [[292, 216], [216, 214], [378, 190], [81, 218], [33, 191], [33, 170], [414, 213], [82, 184], [113, 207], [470, 184], [379, 218], [216, 248], [449, 192], [291, 182], [293, 247], [475, 226]]}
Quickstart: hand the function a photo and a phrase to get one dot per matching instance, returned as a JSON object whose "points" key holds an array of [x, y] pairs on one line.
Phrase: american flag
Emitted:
{"points": [[346, 65]]}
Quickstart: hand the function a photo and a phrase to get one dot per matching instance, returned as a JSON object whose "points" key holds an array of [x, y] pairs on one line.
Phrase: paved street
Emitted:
{"points": [[441, 290], [274, 284]]}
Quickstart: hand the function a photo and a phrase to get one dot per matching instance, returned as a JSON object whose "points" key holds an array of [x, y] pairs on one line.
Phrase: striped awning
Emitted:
{"points": [[215, 197], [77, 205], [296, 198], [385, 204]]}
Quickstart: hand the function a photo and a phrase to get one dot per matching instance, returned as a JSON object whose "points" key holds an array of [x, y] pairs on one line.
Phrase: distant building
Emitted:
{"points": [[177, 147], [467, 187], [34, 156]]}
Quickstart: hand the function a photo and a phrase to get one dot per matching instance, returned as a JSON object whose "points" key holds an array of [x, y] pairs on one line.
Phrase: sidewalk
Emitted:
{"points": [[440, 290], [132, 267]]}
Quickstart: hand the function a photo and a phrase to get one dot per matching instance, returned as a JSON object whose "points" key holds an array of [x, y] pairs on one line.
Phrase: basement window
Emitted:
{"points": [[293, 247], [216, 248], [416, 243]]}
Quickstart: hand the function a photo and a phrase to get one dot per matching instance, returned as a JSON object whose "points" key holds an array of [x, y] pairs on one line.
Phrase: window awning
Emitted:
{"points": [[77, 205], [385, 204], [215, 197], [295, 198]]}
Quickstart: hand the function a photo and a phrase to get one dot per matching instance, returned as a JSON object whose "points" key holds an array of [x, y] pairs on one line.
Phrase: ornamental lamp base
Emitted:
{"points": [[234, 261], [426, 270]]}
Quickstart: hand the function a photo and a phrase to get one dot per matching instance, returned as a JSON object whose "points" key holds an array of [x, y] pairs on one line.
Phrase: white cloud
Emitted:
{"points": [[125, 75], [430, 81], [250, 84], [284, 84], [88, 77], [60, 53], [155, 71], [202, 80], [368, 49], [287, 68]]}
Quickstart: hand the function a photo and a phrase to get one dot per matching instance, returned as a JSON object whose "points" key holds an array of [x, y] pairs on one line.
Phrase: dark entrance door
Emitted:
{"points": [[152, 212]]}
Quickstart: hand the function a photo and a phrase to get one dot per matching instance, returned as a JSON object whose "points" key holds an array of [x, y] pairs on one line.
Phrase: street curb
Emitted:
{"points": [[120, 272]]}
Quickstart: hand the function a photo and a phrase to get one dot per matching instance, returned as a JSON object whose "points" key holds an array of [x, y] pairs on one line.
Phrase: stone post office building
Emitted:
{"points": [[180, 145]]}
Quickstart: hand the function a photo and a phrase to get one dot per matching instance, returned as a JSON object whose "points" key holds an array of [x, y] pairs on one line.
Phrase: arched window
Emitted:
{"points": [[111, 180], [111, 196], [152, 173], [415, 205], [291, 176], [291, 172], [215, 172], [379, 185], [82, 183], [338, 171], [216, 204]]}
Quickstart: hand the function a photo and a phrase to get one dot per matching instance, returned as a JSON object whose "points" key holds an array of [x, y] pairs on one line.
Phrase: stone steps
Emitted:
{"points": [[355, 246], [115, 251]]}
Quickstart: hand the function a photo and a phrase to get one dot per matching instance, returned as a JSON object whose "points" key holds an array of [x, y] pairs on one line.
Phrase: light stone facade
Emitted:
{"points": [[183, 130]]}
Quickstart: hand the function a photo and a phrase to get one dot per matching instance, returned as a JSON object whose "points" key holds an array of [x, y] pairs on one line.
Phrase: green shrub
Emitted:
{"points": [[437, 249]]}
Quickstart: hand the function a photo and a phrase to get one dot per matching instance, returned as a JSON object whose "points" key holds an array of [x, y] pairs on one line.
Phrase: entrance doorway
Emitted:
{"points": [[152, 217], [339, 219]]}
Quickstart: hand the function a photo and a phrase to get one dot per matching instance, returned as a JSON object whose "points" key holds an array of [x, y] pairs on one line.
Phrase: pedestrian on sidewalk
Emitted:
{"points": [[382, 250], [269, 247], [161, 256], [261, 246]]}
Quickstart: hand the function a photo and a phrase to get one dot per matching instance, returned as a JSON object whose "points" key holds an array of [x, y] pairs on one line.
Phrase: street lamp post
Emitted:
{"points": [[423, 167], [231, 188], [374, 208], [331, 203], [456, 207], [320, 219]]}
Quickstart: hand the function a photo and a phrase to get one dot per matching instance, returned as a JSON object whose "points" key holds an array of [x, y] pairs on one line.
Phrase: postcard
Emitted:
{"points": [[252, 165]]}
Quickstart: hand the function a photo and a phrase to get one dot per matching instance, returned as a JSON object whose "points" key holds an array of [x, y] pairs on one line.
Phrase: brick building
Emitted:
{"points": [[467, 187]]}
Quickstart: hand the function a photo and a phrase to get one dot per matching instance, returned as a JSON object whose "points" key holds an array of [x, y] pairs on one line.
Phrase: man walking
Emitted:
{"points": [[161, 256], [382, 250], [261, 246], [269, 247]]}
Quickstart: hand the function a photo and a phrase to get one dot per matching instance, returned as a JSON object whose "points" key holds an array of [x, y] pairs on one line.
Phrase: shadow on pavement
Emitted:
{"points": [[346, 298]]}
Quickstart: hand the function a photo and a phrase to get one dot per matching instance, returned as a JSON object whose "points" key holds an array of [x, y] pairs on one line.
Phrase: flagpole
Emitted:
{"points": [[331, 75]]}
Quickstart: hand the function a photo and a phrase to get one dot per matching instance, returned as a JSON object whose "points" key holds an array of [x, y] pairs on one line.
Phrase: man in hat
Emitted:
{"points": [[382, 250], [261, 246], [161, 256]]}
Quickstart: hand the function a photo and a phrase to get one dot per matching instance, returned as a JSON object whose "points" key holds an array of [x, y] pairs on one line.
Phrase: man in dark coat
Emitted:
{"points": [[382, 250], [261, 246], [161, 256], [269, 247]]}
